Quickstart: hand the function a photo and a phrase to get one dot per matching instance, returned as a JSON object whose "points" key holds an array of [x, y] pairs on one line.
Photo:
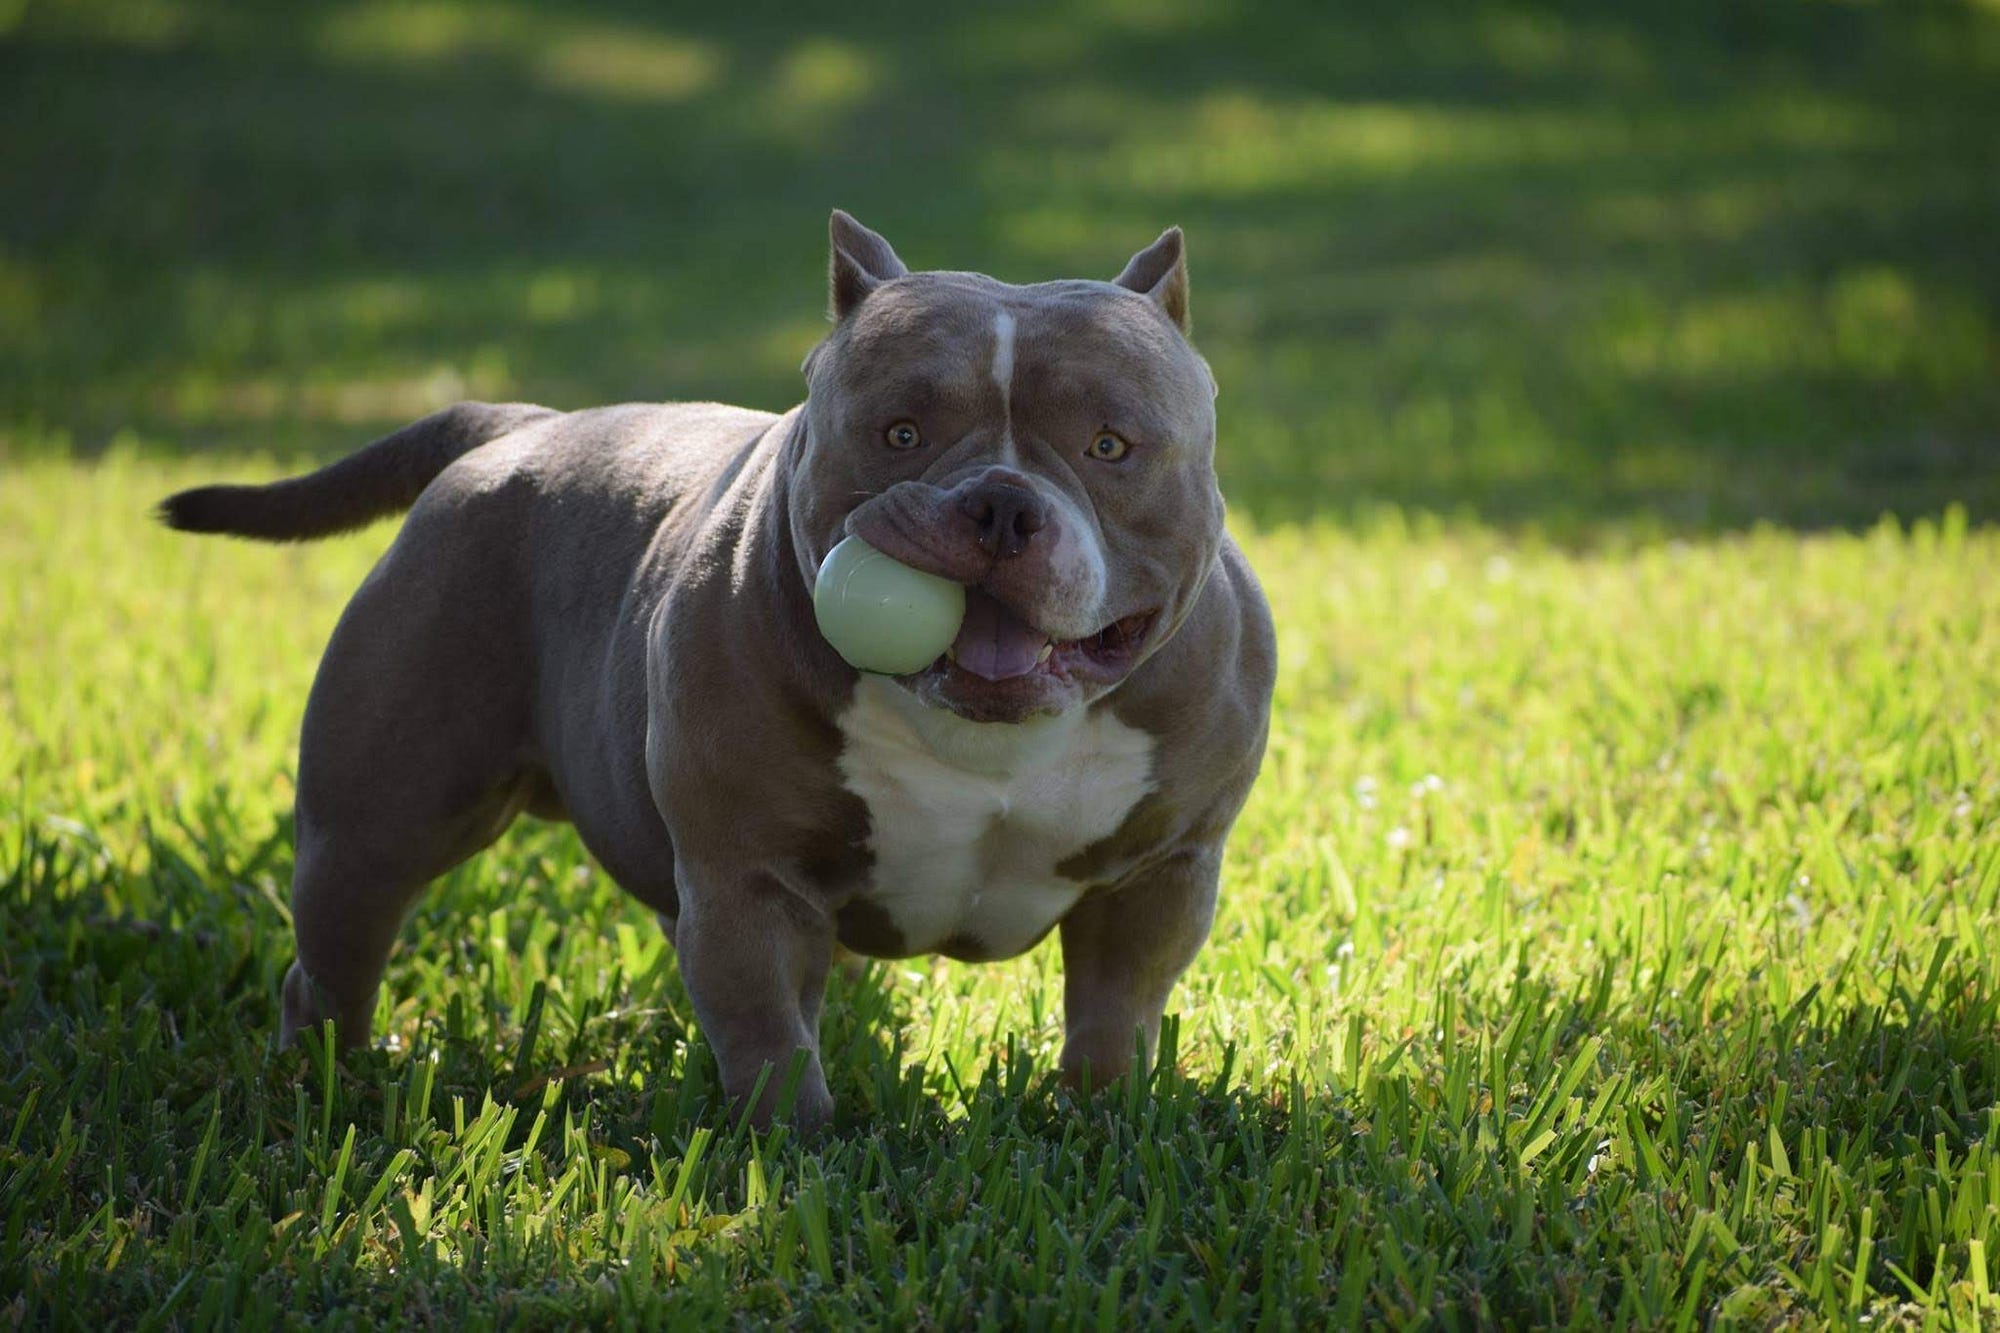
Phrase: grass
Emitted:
{"points": [[1660, 266], [1613, 937]]}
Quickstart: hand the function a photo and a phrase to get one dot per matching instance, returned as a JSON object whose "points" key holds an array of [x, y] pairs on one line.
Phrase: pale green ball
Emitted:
{"points": [[880, 614]]}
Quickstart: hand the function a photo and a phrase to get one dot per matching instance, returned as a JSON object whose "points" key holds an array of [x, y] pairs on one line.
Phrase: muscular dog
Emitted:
{"points": [[605, 616]]}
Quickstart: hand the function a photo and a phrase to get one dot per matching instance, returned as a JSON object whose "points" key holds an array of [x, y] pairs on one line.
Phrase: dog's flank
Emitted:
{"points": [[375, 482]]}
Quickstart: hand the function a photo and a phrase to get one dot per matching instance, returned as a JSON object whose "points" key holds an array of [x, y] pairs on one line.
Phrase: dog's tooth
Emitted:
{"points": [[1043, 655]]}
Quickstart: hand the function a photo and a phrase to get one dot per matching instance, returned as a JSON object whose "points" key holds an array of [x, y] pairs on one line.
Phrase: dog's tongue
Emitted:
{"points": [[993, 642]]}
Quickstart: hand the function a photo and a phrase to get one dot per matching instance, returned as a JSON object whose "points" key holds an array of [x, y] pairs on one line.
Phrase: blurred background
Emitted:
{"points": [[1670, 266]]}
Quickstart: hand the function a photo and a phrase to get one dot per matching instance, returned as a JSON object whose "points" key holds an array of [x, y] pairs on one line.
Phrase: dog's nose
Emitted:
{"points": [[1004, 516]]}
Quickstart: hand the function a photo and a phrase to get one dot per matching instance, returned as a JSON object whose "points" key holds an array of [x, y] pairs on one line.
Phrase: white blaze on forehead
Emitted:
{"points": [[1003, 377], [1088, 595]]}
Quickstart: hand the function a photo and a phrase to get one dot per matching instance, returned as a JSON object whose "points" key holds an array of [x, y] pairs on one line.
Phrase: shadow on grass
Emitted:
{"points": [[1556, 265], [1530, 1150]]}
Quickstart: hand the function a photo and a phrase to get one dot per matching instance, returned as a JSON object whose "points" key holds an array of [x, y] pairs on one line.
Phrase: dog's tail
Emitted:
{"points": [[382, 479]]}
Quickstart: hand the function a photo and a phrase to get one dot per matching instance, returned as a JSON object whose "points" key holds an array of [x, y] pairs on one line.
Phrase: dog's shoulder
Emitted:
{"points": [[1204, 700], [1212, 682]]}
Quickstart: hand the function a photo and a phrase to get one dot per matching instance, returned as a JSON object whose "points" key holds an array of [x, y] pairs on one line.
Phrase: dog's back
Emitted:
{"points": [[647, 453]]}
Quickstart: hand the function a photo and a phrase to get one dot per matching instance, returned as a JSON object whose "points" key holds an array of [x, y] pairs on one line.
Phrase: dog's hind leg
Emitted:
{"points": [[413, 757], [352, 887]]}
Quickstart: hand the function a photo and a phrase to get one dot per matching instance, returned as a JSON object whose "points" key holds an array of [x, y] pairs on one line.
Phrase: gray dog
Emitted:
{"points": [[606, 617]]}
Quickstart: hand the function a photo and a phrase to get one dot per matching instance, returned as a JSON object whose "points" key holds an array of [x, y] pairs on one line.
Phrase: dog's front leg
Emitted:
{"points": [[1122, 952], [754, 958]]}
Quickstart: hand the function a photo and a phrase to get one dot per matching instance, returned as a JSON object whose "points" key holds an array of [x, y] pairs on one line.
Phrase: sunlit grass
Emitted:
{"points": [[1611, 936], [621, 61], [1239, 142]]}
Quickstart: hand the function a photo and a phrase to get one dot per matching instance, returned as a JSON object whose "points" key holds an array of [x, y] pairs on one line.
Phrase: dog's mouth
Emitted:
{"points": [[995, 646]]}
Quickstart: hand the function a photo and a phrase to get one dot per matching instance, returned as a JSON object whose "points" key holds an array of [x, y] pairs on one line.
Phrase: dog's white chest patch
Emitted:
{"points": [[969, 821]]}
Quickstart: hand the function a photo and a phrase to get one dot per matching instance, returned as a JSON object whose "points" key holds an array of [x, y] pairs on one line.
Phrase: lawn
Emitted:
{"points": [[1609, 402]]}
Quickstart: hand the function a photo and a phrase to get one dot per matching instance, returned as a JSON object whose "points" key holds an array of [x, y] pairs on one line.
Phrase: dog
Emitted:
{"points": [[605, 617]]}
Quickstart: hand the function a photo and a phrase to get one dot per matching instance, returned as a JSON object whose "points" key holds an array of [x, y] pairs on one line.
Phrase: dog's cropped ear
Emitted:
{"points": [[860, 262], [1160, 271]]}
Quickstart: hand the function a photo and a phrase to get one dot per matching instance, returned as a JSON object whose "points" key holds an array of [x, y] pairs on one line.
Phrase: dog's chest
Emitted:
{"points": [[969, 822]]}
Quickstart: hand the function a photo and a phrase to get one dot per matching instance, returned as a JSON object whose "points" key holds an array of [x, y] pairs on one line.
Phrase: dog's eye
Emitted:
{"points": [[1107, 447], [903, 435]]}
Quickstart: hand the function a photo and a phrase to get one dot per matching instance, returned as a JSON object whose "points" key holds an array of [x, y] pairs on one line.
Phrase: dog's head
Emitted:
{"points": [[1051, 447]]}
